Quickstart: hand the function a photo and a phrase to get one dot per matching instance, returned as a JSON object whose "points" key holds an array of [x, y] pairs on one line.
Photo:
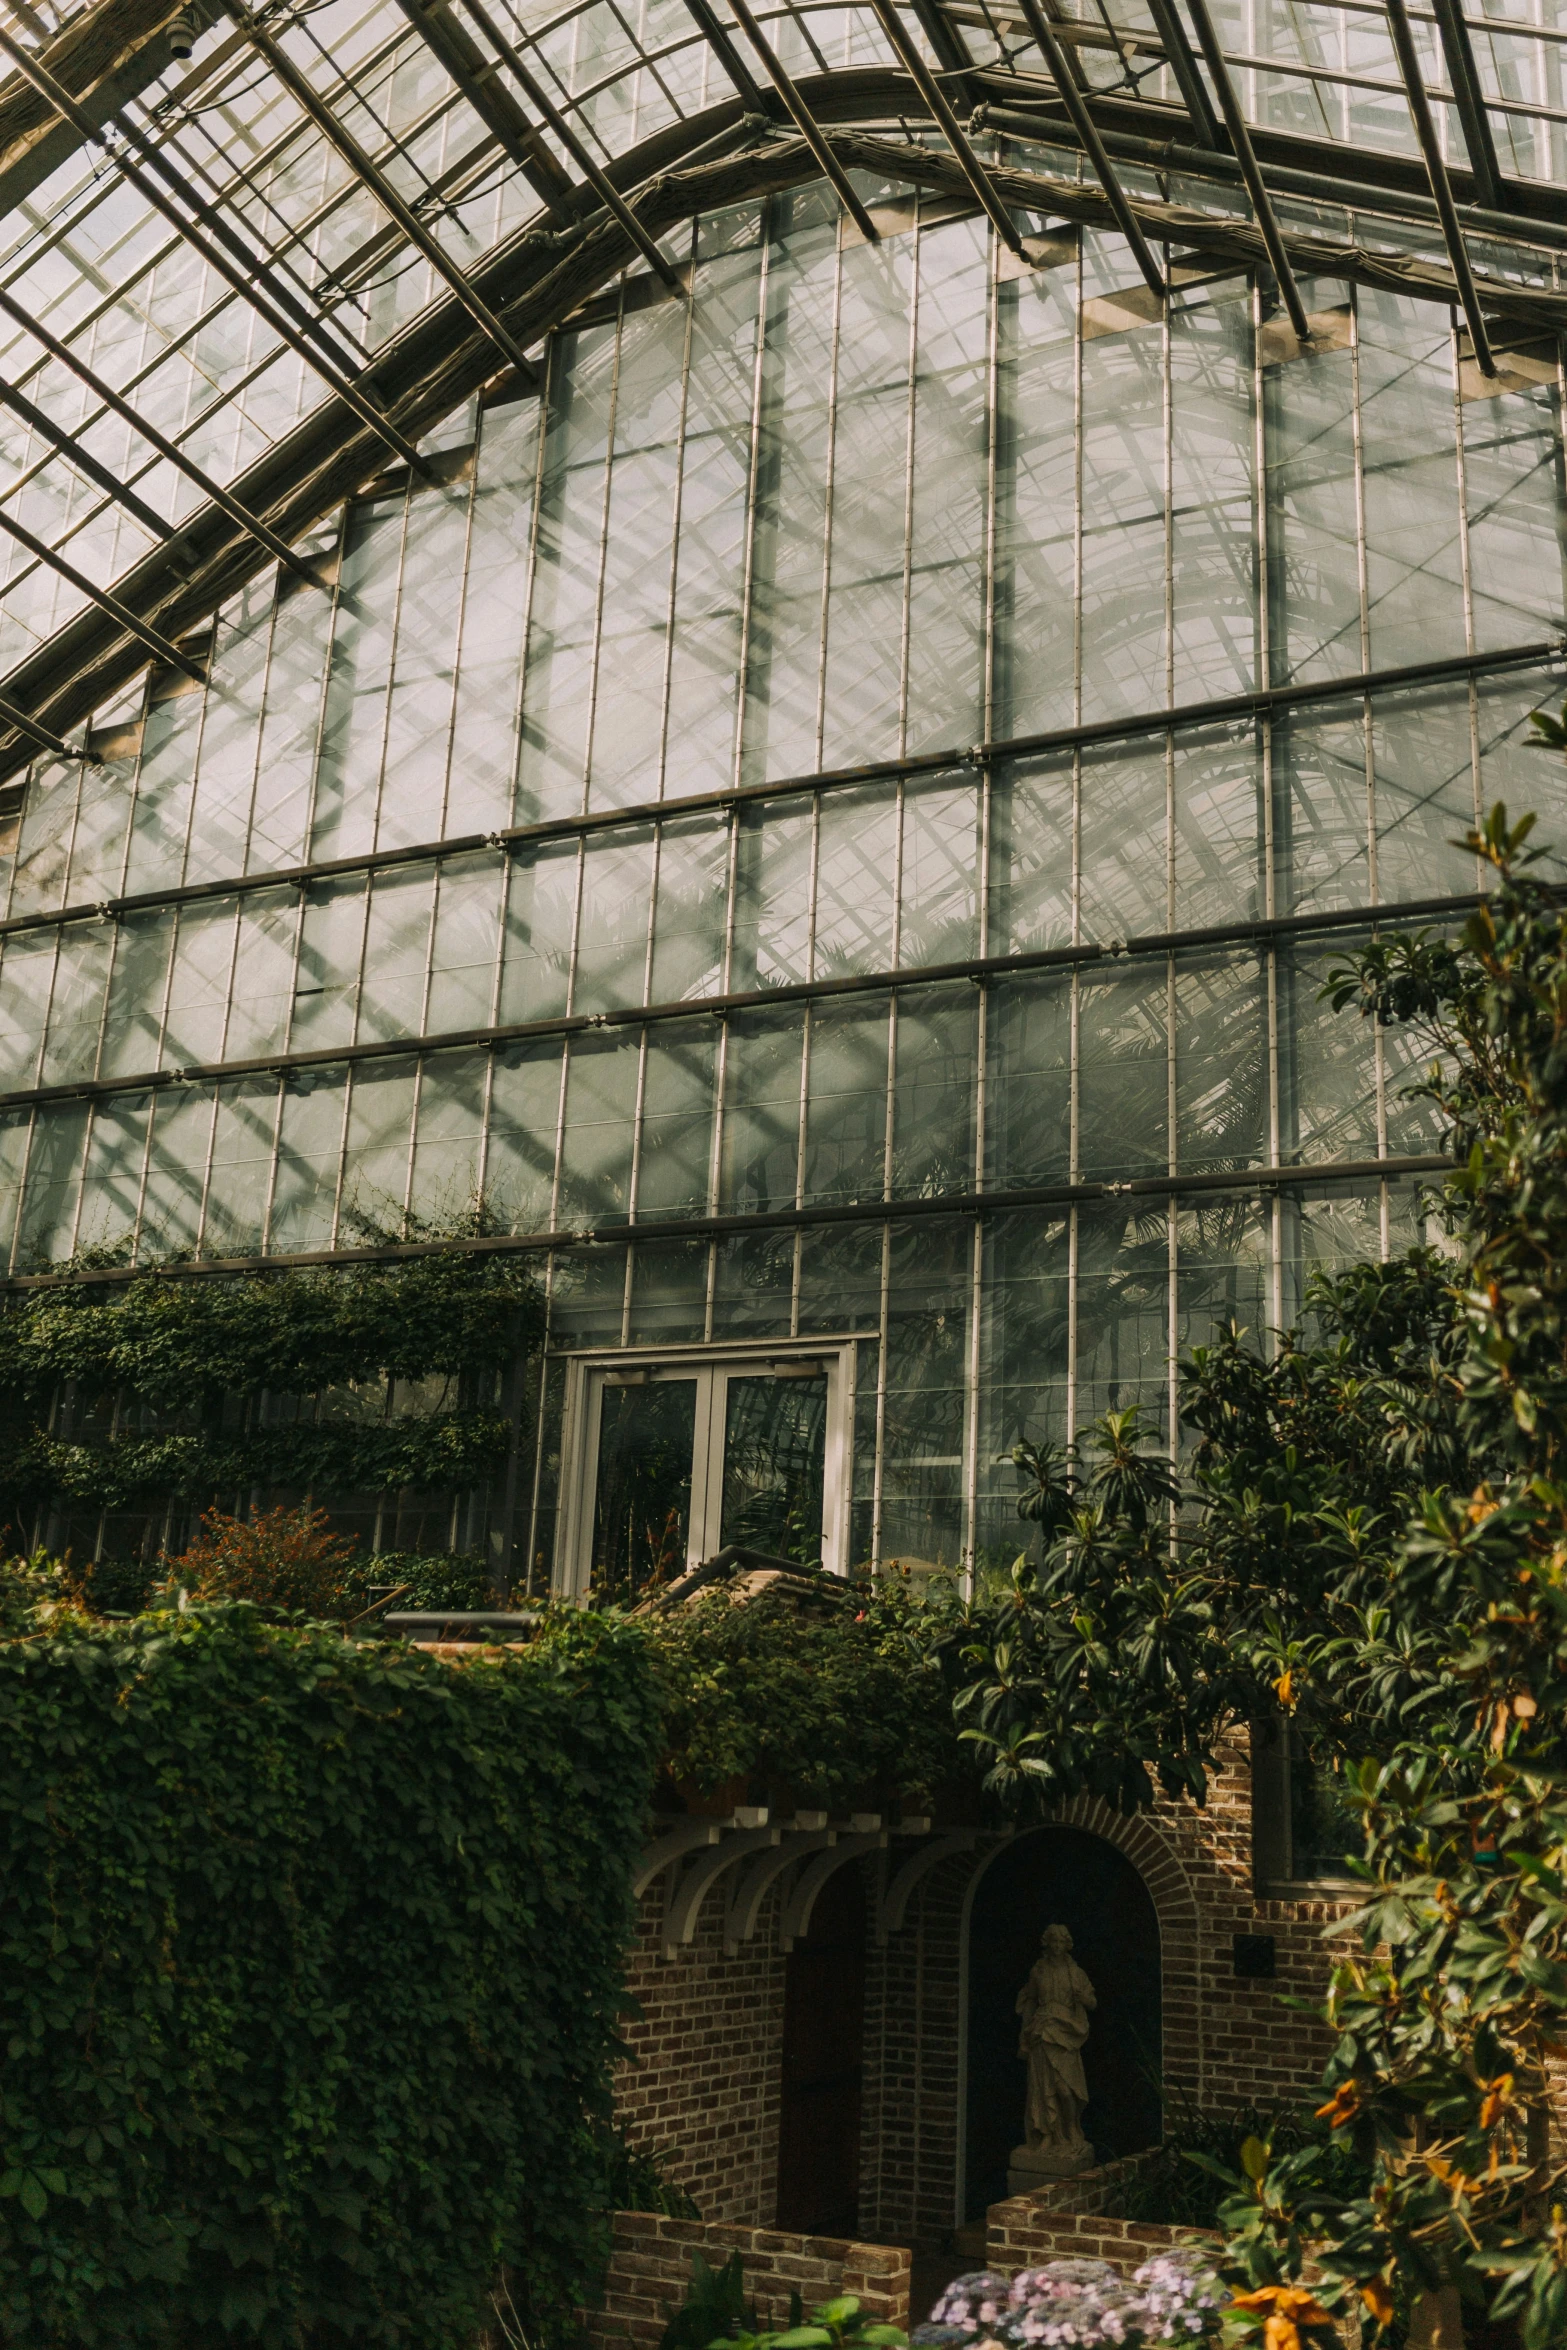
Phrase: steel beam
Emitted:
{"points": [[214, 255], [728, 56], [805, 121], [603, 187], [105, 56], [91, 467], [1469, 97], [43, 737], [1055, 57], [160, 646], [1270, 702], [941, 113], [1436, 169], [370, 176], [1251, 171], [458, 55], [440, 359], [249, 523], [1188, 74]]}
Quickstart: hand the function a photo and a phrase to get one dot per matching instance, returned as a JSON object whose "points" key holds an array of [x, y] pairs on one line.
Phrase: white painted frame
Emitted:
{"points": [[587, 1375]]}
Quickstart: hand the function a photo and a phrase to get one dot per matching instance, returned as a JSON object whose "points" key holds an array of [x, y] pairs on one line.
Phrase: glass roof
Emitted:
{"points": [[216, 261]]}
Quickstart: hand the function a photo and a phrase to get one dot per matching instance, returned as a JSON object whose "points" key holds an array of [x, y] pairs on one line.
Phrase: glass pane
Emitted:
{"points": [[775, 1437], [643, 1505], [1324, 1827]]}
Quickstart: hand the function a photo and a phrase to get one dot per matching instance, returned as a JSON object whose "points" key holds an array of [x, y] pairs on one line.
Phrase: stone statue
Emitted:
{"points": [[1054, 2005]]}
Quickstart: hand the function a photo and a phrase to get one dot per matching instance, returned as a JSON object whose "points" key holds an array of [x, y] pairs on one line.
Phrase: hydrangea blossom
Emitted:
{"points": [[972, 2305], [1171, 2303]]}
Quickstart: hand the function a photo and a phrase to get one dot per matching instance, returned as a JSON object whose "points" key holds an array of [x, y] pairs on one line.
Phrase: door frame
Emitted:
{"points": [[586, 1374]]}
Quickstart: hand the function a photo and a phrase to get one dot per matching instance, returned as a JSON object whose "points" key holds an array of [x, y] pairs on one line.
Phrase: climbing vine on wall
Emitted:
{"points": [[114, 1392]]}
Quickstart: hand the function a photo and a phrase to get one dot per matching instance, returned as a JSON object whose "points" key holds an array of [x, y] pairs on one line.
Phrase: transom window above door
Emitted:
{"points": [[673, 1458]]}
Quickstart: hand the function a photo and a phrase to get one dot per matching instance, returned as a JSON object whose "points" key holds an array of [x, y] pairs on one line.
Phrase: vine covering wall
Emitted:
{"points": [[310, 1957], [161, 1385]]}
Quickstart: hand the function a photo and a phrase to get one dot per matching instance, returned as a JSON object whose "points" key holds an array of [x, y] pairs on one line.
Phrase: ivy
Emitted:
{"points": [[202, 1353], [310, 1957], [174, 1340], [447, 1448]]}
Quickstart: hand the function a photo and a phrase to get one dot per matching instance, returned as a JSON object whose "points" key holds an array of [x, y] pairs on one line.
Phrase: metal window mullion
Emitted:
{"points": [[324, 696], [752, 489], [611, 460], [461, 622], [910, 459], [992, 484], [672, 609], [550, 364], [829, 483], [394, 630], [721, 1073]]}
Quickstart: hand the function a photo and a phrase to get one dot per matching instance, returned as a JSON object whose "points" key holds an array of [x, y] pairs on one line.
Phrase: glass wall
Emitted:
{"points": [[1009, 1064]]}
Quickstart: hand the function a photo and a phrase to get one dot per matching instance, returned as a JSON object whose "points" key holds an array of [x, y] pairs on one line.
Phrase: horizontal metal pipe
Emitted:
{"points": [[1285, 180], [985, 970], [1243, 1181], [1267, 702]]}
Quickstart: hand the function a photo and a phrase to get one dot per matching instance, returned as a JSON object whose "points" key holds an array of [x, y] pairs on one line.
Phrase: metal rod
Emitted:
{"points": [[1246, 1181], [1050, 48], [984, 969], [1436, 171], [805, 121], [1270, 701], [1251, 170], [603, 187], [1469, 98], [248, 522], [475, 76], [370, 176], [60, 98], [728, 56], [1317, 187], [86, 463], [1188, 78], [106, 602], [43, 737], [941, 112]]}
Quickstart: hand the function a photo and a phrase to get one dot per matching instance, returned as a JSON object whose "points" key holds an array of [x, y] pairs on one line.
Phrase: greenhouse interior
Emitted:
{"points": [[759, 658]]}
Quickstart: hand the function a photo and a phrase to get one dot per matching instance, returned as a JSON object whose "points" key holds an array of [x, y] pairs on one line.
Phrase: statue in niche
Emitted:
{"points": [[1054, 2005]]}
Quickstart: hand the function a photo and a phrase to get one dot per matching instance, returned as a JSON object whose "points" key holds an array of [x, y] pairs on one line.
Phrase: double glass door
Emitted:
{"points": [[682, 1459]]}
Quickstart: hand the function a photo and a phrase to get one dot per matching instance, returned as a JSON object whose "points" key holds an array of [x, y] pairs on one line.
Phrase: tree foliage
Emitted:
{"points": [[1372, 1536], [310, 1958]]}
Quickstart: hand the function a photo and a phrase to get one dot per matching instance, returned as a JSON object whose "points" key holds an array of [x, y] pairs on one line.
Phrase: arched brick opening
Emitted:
{"points": [[1139, 1841]]}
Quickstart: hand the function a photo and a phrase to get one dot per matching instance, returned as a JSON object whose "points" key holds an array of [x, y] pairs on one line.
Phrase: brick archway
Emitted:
{"points": [[1138, 1839]]}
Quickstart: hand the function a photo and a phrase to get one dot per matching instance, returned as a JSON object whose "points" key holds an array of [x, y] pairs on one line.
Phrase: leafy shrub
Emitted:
{"points": [[836, 1705], [279, 1559], [310, 1957]]}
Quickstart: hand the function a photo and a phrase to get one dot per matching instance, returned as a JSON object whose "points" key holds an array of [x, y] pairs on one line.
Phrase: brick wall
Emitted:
{"points": [[1065, 2221], [702, 2087], [650, 2268]]}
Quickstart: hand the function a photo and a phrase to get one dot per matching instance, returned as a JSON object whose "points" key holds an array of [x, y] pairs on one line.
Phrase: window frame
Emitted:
{"points": [[590, 1370]]}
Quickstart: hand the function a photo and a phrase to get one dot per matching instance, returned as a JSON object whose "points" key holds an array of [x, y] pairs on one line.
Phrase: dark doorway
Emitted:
{"points": [[823, 2052], [1065, 1876]]}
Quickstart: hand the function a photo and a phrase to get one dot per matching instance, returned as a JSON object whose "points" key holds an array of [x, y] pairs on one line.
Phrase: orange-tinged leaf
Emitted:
{"points": [[1378, 2298], [1341, 2107], [1284, 1690], [1494, 2104]]}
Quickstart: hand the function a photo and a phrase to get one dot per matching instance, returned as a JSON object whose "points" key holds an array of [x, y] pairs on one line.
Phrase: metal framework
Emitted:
{"points": [[1269, 703], [105, 107]]}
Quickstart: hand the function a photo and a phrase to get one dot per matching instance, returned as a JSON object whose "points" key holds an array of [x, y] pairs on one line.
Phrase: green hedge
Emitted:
{"points": [[311, 1959]]}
